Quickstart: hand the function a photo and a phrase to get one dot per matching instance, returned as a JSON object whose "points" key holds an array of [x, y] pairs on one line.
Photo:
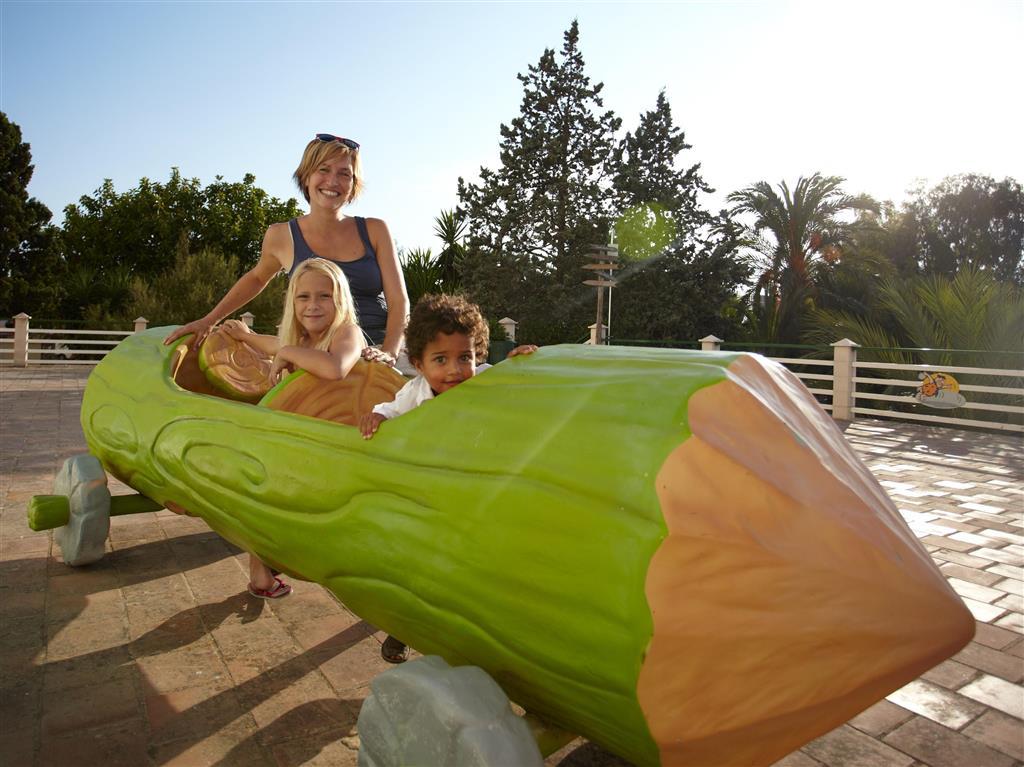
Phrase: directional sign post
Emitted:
{"points": [[605, 258]]}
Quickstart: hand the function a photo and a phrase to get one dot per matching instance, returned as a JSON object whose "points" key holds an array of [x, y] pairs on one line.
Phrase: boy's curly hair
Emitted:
{"points": [[435, 314]]}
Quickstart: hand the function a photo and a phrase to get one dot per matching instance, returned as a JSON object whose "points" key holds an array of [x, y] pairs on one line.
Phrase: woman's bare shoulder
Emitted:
{"points": [[376, 225], [279, 232], [278, 237], [278, 245]]}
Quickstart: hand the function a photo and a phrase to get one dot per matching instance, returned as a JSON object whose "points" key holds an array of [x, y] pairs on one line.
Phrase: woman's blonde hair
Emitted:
{"points": [[317, 153], [291, 332]]}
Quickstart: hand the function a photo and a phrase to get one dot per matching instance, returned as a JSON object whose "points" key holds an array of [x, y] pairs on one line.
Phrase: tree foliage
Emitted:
{"points": [[31, 265], [195, 281], [965, 222], [792, 235], [971, 311], [422, 273], [450, 228], [139, 230], [426, 273], [681, 273], [969, 221], [531, 221], [117, 241], [564, 185]]}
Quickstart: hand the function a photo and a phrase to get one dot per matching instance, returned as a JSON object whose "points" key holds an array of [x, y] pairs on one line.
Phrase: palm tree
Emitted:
{"points": [[791, 234], [450, 228], [972, 312], [422, 273]]}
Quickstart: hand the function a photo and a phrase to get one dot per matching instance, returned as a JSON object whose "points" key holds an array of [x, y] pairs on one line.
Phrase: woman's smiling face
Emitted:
{"points": [[330, 183]]}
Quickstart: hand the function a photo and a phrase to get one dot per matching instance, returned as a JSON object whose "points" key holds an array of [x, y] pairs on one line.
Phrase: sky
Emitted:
{"points": [[883, 94]]}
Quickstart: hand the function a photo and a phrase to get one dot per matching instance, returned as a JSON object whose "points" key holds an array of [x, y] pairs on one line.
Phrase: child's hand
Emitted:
{"points": [[524, 349], [368, 424], [279, 368], [236, 329]]}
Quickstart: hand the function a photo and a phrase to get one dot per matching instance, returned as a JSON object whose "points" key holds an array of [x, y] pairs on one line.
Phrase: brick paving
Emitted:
{"points": [[156, 655]]}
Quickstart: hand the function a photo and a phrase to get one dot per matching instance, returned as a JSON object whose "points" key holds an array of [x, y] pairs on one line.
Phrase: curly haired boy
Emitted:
{"points": [[445, 337]]}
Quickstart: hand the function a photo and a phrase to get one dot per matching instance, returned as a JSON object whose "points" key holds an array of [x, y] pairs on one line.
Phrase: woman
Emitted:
{"points": [[329, 177]]}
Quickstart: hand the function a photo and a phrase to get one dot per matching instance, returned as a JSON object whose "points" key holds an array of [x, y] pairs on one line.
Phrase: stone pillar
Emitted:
{"points": [[844, 357], [509, 325], [141, 323], [248, 318], [21, 340], [710, 344]]}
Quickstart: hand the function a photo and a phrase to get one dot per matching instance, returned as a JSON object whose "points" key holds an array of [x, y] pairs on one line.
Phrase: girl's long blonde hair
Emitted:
{"points": [[291, 332]]}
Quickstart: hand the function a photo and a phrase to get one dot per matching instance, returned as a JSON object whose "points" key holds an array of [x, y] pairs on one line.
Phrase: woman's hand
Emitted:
{"points": [[375, 354], [200, 328], [275, 256]]}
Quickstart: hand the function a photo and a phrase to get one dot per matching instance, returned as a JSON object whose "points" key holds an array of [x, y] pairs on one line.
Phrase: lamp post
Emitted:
{"points": [[604, 259]]}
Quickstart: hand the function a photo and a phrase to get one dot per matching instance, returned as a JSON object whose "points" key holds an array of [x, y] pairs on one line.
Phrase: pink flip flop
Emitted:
{"points": [[281, 589]]}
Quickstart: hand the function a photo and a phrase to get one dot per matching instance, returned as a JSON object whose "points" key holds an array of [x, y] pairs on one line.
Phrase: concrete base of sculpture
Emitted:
{"points": [[83, 540], [426, 712]]}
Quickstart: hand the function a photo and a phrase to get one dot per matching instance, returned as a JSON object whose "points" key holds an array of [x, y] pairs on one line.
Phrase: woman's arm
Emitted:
{"points": [[394, 285], [333, 364], [276, 242]]}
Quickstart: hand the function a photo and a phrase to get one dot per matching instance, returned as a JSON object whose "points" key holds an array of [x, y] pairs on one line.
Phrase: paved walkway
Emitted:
{"points": [[156, 655]]}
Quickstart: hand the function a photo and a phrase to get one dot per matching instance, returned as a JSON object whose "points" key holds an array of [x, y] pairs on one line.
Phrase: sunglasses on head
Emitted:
{"points": [[328, 137]]}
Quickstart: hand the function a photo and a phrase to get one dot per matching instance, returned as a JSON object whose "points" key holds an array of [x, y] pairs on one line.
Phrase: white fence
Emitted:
{"points": [[24, 345], [835, 381], [1013, 394], [847, 400]]}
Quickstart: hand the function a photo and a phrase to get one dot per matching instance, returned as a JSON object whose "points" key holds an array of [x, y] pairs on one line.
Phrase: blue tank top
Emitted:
{"points": [[364, 280]]}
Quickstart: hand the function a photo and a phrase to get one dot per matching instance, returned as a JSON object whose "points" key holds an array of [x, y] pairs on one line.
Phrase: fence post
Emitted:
{"points": [[141, 323], [844, 390], [710, 344], [20, 358], [510, 327], [248, 318]]}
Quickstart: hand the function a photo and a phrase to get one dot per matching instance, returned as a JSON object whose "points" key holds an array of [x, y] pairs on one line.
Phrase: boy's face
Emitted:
{"points": [[448, 360]]}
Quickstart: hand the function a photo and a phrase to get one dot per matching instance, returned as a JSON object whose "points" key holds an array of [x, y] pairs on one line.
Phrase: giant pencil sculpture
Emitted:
{"points": [[675, 554]]}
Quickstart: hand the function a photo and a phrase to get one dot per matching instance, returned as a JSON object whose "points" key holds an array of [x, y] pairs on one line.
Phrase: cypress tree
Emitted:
{"points": [[681, 268], [532, 220]]}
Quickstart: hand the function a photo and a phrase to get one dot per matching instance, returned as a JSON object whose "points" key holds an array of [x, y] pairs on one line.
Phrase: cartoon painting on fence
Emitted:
{"points": [[939, 390]]}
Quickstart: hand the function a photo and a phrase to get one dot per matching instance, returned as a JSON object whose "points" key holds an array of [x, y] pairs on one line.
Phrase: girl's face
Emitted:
{"points": [[314, 303], [448, 360], [330, 183]]}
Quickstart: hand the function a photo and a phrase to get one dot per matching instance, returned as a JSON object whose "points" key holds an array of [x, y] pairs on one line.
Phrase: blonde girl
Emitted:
{"points": [[319, 334], [318, 331]]}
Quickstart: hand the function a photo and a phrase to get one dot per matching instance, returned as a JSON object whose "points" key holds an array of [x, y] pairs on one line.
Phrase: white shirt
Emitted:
{"points": [[412, 395]]}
